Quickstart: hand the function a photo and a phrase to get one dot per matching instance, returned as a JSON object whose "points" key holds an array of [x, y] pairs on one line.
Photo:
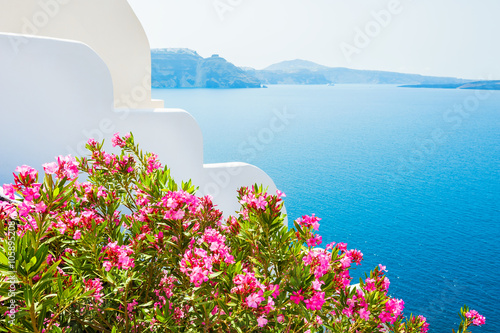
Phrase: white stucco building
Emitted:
{"points": [[75, 69]]}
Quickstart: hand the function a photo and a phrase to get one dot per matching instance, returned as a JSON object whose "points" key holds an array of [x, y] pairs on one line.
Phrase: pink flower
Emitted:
{"points": [[262, 321], [477, 319], [280, 194], [50, 168], [276, 290], [91, 142], [32, 192], [175, 215], [370, 284], [101, 193], [77, 235], [355, 255], [330, 246], [297, 297], [281, 318], [131, 306], [254, 300], [8, 191], [40, 207], [153, 163], [62, 227], [118, 141], [107, 265], [118, 256], [319, 260], [315, 240], [260, 203], [316, 301], [96, 286], [393, 309], [386, 283], [309, 221], [364, 314], [27, 172], [317, 284], [425, 326], [65, 167], [342, 247], [24, 208]]}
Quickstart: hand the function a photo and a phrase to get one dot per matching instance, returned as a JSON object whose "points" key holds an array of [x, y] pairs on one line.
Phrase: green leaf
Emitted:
{"points": [[28, 295], [3, 258], [213, 275]]}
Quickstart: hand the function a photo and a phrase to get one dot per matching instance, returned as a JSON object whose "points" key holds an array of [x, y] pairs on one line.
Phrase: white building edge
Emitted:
{"points": [[75, 69]]}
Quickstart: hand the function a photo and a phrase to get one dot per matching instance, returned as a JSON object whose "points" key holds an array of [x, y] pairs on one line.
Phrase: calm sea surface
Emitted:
{"points": [[411, 177]]}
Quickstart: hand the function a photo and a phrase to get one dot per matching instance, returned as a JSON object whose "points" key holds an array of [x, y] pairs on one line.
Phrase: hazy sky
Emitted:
{"points": [[458, 38]]}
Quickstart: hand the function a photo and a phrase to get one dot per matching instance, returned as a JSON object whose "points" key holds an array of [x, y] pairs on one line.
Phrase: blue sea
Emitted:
{"points": [[411, 177]]}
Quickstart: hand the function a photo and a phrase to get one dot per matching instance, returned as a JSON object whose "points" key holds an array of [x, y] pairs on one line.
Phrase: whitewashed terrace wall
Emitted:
{"points": [[109, 27], [57, 93]]}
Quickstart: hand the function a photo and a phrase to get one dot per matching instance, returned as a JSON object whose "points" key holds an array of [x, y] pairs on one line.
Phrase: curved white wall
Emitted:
{"points": [[109, 27], [90, 77], [55, 94]]}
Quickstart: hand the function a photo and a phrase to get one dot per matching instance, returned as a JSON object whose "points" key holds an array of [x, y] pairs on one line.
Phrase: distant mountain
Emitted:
{"points": [[481, 85], [307, 72], [185, 68], [295, 65]]}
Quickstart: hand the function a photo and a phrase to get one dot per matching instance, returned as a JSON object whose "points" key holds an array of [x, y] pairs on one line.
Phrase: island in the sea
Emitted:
{"points": [[481, 85], [185, 68]]}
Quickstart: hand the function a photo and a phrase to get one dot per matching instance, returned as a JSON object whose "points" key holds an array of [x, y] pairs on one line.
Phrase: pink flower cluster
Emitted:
{"points": [[118, 141], [423, 321], [165, 289], [319, 262], [7, 211], [197, 263], [73, 222], [393, 310], [377, 282], [108, 163], [309, 222], [254, 201], [177, 202], [96, 287], [118, 256], [316, 301], [253, 291], [153, 163], [357, 304], [476, 318], [217, 242], [65, 167], [25, 183], [208, 253]]}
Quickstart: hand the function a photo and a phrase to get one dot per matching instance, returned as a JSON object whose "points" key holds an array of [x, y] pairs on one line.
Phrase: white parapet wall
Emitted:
{"points": [[109, 27], [56, 93]]}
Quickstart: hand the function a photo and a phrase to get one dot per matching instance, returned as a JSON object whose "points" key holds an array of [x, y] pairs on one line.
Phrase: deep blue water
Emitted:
{"points": [[411, 177]]}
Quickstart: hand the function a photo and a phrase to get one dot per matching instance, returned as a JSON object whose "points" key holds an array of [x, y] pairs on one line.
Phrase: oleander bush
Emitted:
{"points": [[130, 250]]}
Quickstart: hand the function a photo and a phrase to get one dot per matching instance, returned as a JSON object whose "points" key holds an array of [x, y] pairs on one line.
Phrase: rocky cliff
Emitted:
{"points": [[184, 68]]}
